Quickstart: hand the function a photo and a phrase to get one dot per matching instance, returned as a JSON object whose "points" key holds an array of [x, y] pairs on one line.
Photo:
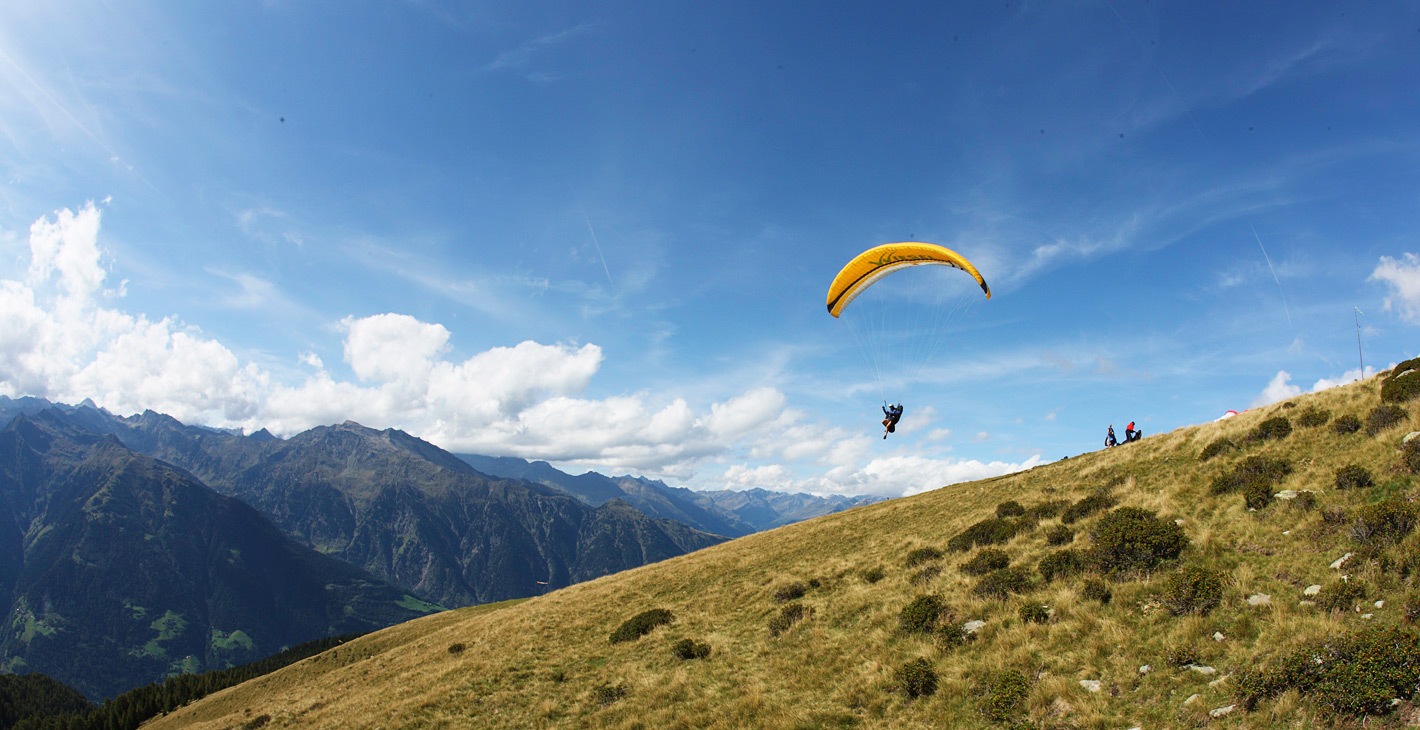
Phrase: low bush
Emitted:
{"points": [[1193, 590], [1257, 496], [787, 617], [1181, 656], [1010, 508], [1062, 563], [1346, 424], [1384, 523], [1341, 595], [1353, 476], [950, 634], [1001, 583], [1095, 589], [1046, 510], [925, 575], [922, 555], [1313, 417], [1383, 417], [1251, 472], [606, 694], [1002, 697], [1272, 429], [641, 624], [456, 648], [986, 532], [1410, 456], [690, 649], [1059, 535], [790, 592], [874, 574], [922, 614], [1403, 383], [1305, 501], [1129, 539], [987, 560], [1099, 501], [1219, 446], [1354, 675], [916, 678], [1034, 613]]}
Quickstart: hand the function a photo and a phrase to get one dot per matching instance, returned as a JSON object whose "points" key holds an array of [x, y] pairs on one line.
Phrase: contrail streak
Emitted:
{"points": [[1268, 259], [598, 246]]}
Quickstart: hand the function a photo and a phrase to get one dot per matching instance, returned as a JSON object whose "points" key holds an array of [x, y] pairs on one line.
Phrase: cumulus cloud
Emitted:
{"points": [[1350, 376], [1403, 278], [65, 340], [1278, 389]]}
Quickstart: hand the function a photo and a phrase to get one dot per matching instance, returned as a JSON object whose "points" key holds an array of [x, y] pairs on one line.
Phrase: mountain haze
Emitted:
{"points": [[407, 511], [810, 625], [117, 569]]}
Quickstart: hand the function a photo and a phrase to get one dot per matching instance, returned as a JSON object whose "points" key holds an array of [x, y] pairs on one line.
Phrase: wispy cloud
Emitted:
{"points": [[520, 59]]}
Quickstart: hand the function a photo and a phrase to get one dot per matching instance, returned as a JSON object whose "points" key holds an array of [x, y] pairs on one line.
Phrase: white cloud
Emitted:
{"points": [[1350, 376], [1403, 278], [1280, 388]]}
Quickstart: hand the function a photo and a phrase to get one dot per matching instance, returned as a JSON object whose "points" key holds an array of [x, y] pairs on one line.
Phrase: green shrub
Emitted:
{"points": [[1411, 609], [1305, 501], [1257, 496], [1010, 508], [1059, 535], [1341, 595], [1032, 612], [1219, 446], [1403, 383], [922, 614], [1385, 522], [1250, 472], [1353, 476], [1130, 538], [922, 555], [874, 574], [925, 575], [1181, 656], [641, 624], [606, 694], [1383, 417], [1352, 675], [1095, 589], [1001, 583], [1313, 417], [987, 560], [1062, 563], [1193, 590], [1003, 695], [950, 634], [1346, 424], [986, 532], [788, 616], [690, 649], [456, 648], [917, 678], [1100, 500], [1272, 429], [1410, 456], [791, 592], [1046, 510]]}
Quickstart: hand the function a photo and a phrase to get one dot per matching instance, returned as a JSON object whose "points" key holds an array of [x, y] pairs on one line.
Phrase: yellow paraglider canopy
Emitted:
{"points": [[879, 261]]}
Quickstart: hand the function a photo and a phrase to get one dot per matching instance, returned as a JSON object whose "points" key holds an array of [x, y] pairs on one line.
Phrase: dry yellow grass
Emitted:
{"points": [[547, 662]]}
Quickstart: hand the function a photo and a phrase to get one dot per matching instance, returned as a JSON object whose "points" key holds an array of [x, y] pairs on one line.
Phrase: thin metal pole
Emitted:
{"points": [[1359, 356]]}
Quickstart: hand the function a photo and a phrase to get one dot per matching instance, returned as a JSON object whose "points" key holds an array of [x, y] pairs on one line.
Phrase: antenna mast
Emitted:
{"points": [[1358, 342]]}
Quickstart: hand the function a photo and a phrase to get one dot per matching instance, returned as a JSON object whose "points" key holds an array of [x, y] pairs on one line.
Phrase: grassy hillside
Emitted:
{"points": [[848, 662]]}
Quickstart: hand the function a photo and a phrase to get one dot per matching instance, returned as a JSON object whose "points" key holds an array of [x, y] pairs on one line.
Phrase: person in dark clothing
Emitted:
{"points": [[1130, 434], [894, 414], [1109, 439]]}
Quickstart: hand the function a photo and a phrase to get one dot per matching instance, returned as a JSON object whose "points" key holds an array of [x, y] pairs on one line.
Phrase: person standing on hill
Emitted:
{"points": [[1109, 439]]}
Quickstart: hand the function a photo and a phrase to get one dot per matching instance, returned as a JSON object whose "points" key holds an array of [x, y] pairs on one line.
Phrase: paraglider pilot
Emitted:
{"points": [[1132, 434], [894, 414], [1109, 439]]}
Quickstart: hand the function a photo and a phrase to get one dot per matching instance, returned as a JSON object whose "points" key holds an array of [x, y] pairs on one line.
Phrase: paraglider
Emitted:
{"points": [[917, 334]]}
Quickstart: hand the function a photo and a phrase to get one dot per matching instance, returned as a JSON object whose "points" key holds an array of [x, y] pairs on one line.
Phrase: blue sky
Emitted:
{"points": [[601, 234]]}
